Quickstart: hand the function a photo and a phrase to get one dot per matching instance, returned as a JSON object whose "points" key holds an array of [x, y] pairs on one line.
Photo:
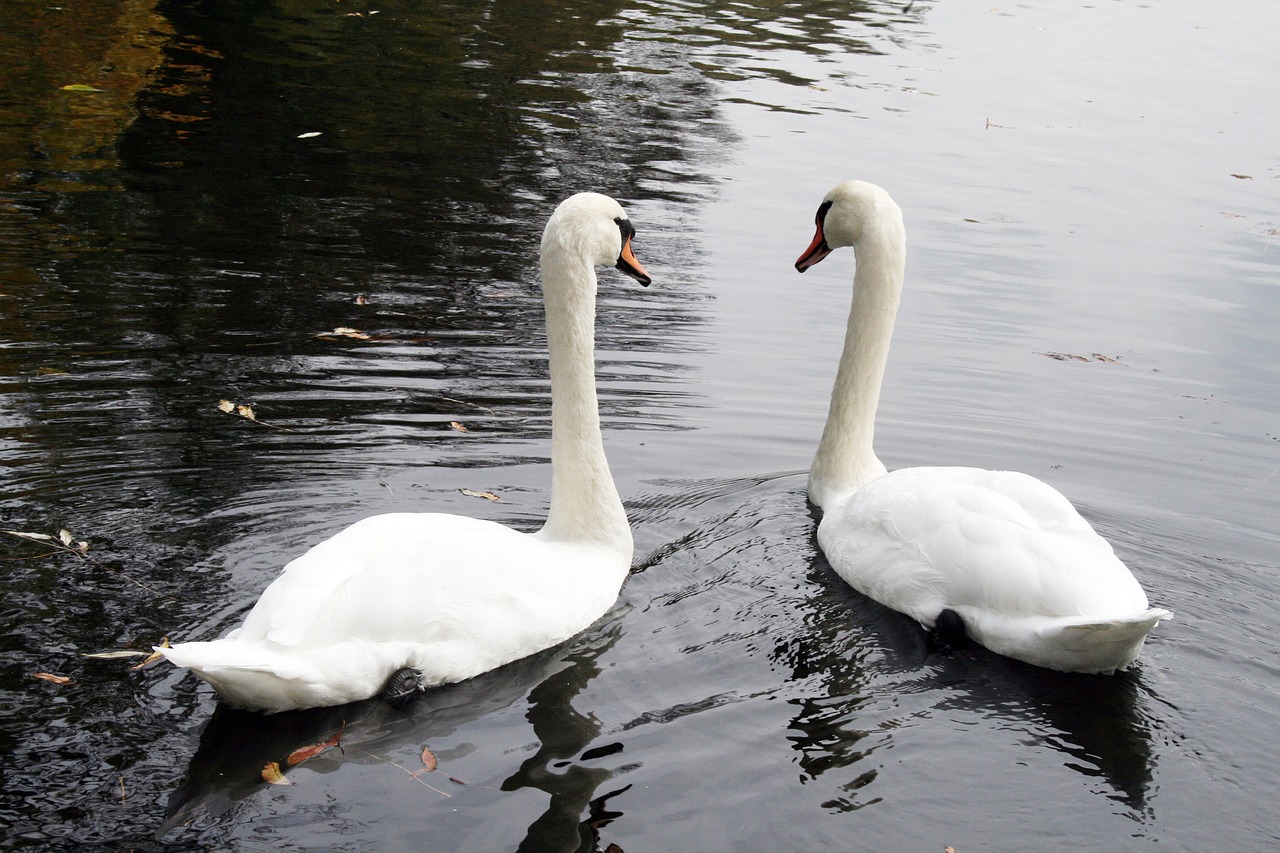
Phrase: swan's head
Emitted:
{"points": [[594, 227], [849, 213]]}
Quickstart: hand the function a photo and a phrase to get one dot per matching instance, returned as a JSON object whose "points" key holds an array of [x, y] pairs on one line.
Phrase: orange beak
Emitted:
{"points": [[628, 264], [817, 250]]}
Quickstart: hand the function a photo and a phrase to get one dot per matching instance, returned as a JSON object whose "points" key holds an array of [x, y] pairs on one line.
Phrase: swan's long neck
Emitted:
{"points": [[584, 501], [846, 460]]}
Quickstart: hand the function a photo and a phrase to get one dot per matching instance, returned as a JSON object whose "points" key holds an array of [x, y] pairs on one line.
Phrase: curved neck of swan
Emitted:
{"points": [[584, 502], [846, 460]]}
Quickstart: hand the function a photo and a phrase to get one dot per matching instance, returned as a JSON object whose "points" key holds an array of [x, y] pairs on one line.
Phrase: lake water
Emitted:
{"points": [[1093, 202]]}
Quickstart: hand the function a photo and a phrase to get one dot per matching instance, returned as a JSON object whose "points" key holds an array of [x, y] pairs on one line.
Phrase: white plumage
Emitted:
{"points": [[1027, 575], [446, 595]]}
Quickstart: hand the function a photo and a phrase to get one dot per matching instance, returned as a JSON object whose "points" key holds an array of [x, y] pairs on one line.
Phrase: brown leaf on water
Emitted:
{"points": [[153, 657], [459, 427], [1242, 177], [949, 850], [429, 759], [49, 676], [344, 332], [246, 412], [302, 753], [1106, 358], [1065, 356], [489, 496], [272, 773], [362, 300]]}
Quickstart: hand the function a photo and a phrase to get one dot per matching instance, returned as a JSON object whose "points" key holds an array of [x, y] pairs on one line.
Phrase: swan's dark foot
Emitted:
{"points": [[948, 631], [403, 687]]}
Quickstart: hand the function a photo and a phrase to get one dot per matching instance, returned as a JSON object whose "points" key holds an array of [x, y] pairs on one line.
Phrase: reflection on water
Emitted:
{"points": [[235, 747]]}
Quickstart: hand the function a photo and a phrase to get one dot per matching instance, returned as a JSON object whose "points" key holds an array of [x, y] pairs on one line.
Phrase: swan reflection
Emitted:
{"points": [[235, 746], [851, 653]]}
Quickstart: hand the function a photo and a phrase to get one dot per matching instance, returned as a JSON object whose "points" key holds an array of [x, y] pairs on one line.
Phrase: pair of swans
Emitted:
{"points": [[403, 601]]}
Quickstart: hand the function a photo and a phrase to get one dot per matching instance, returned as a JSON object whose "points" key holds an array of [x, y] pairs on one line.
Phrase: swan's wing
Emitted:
{"points": [[383, 567], [921, 539]]}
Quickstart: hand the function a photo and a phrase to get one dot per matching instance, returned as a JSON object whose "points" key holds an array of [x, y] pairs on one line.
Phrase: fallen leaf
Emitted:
{"points": [[489, 496], [246, 412], [345, 332], [1242, 177], [309, 135], [115, 654], [271, 773], [36, 537], [1065, 356], [302, 753], [49, 676], [154, 656], [80, 87], [362, 300], [459, 427], [1108, 359], [226, 406], [429, 759]]}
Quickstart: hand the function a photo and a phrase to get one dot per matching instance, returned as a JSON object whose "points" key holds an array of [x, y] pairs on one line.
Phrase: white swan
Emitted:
{"points": [[997, 555], [432, 598]]}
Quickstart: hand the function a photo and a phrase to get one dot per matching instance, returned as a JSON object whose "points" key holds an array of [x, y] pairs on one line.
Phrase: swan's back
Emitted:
{"points": [[1005, 551]]}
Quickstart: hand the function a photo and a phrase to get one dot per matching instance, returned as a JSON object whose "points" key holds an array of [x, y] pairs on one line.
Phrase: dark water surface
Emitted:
{"points": [[1093, 199]]}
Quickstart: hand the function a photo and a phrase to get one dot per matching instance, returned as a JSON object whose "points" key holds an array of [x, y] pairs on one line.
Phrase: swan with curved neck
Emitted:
{"points": [[403, 601], [996, 555]]}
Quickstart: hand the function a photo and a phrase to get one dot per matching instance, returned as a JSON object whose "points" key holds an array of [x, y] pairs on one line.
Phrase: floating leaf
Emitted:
{"points": [[489, 496], [362, 300], [344, 332], [80, 87], [459, 427], [1108, 359], [35, 537], [272, 773], [429, 759], [1242, 177], [309, 134], [302, 753], [154, 656], [49, 676], [115, 654], [246, 412]]}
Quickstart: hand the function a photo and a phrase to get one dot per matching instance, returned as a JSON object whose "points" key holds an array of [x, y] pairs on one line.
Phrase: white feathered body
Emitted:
{"points": [[1029, 577], [447, 595]]}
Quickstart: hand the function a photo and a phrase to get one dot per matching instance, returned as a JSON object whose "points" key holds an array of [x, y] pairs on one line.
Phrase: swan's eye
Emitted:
{"points": [[822, 213], [628, 230]]}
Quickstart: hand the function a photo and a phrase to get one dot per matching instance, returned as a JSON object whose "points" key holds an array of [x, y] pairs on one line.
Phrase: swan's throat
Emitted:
{"points": [[846, 459]]}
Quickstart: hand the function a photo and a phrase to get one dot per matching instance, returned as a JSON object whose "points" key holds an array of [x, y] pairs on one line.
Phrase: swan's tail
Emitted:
{"points": [[1104, 646], [250, 675], [1070, 645]]}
